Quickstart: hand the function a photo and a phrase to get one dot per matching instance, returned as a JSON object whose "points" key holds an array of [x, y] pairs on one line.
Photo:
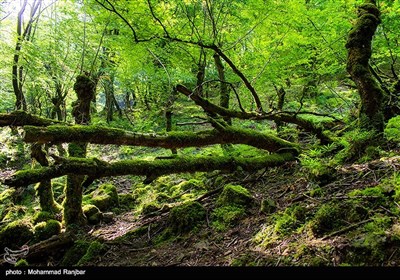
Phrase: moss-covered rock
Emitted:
{"points": [[75, 253], [94, 250], [150, 209], [92, 213], [335, 215], [105, 197], [163, 197], [126, 201], [185, 217], [15, 234], [192, 184], [45, 230], [235, 195], [42, 216], [268, 206], [327, 218], [226, 216]]}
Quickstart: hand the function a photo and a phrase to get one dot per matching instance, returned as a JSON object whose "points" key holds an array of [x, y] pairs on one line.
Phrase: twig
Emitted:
{"points": [[346, 229], [192, 123], [210, 193], [391, 256], [138, 249]]}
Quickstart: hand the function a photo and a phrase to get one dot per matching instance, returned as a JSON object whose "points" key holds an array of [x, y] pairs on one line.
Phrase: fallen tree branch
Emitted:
{"points": [[21, 118], [348, 228], [103, 135], [96, 168], [48, 246]]}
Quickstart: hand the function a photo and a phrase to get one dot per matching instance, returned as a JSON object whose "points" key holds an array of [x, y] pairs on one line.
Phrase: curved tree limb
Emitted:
{"points": [[280, 116]]}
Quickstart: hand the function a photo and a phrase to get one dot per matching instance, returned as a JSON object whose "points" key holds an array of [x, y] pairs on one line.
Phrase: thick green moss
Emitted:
{"points": [[45, 230], [13, 212], [126, 201], [185, 217], [42, 216], [75, 253], [21, 263], [150, 209], [226, 216], [334, 215], [290, 220], [235, 195], [6, 196], [192, 184], [16, 234], [77, 149], [92, 213], [45, 193], [105, 197], [163, 197], [327, 218], [94, 251]]}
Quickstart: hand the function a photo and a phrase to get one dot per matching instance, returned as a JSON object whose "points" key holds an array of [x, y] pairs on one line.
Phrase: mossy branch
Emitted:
{"points": [[95, 168], [21, 118], [103, 135], [280, 116]]}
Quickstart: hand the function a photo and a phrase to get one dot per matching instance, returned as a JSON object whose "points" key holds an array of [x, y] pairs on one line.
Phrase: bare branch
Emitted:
{"points": [[156, 18]]}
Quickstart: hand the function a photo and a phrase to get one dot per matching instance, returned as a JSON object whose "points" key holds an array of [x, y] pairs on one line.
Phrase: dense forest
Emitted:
{"points": [[199, 133]]}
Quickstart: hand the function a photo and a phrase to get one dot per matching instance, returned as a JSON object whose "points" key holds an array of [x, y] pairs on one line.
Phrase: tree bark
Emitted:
{"points": [[44, 189], [21, 118], [85, 88], [224, 91], [95, 168], [103, 135], [371, 115], [18, 70]]}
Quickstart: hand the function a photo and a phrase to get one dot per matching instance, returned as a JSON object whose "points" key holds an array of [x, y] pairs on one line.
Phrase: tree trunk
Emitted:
{"points": [[281, 101], [17, 70], [20, 102], [224, 91], [371, 115], [44, 189], [85, 89], [108, 84]]}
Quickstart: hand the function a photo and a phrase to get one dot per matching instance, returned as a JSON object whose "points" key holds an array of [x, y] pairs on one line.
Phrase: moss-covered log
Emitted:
{"points": [[21, 118], [371, 115], [98, 169], [283, 117], [103, 135]]}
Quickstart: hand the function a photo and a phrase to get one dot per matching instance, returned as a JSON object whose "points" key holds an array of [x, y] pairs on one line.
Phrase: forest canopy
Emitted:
{"points": [[92, 90]]}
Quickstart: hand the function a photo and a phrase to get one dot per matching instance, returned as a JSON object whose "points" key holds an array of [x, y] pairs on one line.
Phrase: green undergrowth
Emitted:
{"points": [[83, 253], [366, 219]]}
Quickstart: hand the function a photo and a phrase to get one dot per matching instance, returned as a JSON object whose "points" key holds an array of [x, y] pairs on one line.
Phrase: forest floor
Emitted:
{"points": [[282, 238]]}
